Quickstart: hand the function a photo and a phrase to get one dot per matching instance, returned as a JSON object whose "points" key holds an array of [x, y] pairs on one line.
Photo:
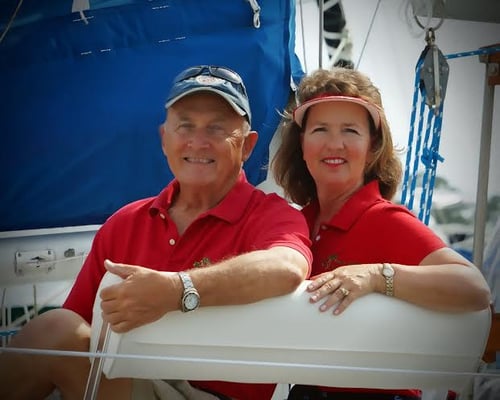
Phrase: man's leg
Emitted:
{"points": [[26, 376]]}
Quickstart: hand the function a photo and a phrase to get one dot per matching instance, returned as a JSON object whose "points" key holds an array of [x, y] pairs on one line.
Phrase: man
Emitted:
{"points": [[236, 244]]}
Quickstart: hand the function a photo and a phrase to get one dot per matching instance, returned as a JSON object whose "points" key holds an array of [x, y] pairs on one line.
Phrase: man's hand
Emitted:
{"points": [[143, 296]]}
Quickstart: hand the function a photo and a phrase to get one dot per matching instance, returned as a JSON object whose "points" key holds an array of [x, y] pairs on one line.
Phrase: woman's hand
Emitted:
{"points": [[344, 285]]}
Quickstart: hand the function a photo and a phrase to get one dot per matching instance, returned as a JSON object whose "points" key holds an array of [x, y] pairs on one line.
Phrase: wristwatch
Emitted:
{"points": [[190, 299], [388, 273]]}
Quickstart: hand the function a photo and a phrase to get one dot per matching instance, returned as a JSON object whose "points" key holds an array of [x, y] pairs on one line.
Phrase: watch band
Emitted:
{"points": [[388, 273], [190, 299], [187, 283]]}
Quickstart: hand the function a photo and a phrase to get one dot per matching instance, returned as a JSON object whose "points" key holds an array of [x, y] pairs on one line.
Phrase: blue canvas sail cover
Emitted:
{"points": [[83, 93]]}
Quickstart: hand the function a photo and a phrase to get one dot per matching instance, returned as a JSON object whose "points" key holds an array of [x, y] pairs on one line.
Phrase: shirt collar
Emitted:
{"points": [[229, 209], [357, 204]]}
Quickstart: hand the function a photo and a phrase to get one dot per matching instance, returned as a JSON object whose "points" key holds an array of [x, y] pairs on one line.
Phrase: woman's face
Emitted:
{"points": [[336, 145]]}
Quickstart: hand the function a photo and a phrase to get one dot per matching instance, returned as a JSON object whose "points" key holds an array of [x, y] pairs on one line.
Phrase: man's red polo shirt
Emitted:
{"points": [[142, 233]]}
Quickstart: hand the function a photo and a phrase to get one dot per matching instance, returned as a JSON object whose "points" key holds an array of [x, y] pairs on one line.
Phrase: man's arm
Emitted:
{"points": [[251, 277], [146, 295]]}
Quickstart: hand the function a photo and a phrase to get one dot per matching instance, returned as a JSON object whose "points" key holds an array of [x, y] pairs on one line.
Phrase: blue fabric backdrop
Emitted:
{"points": [[81, 103]]}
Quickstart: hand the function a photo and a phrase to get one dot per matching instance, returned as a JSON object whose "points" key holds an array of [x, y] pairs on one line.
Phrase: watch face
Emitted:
{"points": [[191, 301], [387, 271]]}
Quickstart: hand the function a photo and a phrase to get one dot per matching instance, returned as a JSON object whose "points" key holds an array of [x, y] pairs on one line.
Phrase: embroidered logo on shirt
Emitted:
{"points": [[332, 262], [204, 262]]}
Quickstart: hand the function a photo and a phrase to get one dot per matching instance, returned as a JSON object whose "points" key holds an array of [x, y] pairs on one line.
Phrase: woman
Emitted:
{"points": [[337, 160]]}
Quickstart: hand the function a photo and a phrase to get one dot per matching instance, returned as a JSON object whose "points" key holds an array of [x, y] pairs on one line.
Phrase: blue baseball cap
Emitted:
{"points": [[219, 80]]}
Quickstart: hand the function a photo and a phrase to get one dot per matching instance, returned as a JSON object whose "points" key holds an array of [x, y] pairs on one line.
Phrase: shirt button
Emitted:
{"points": [[323, 227], [317, 237], [162, 216], [171, 242]]}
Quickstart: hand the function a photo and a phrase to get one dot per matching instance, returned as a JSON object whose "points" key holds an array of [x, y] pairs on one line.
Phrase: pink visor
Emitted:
{"points": [[299, 112]]}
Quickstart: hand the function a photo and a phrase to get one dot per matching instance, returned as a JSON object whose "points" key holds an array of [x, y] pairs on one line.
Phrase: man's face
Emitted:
{"points": [[205, 141]]}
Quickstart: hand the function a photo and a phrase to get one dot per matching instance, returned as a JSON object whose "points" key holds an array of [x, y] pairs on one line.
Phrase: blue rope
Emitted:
{"points": [[414, 177], [430, 157], [427, 154], [410, 151], [426, 159], [7, 333], [487, 50], [435, 157]]}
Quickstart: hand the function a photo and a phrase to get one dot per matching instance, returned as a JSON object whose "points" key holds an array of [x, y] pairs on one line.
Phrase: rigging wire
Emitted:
{"points": [[321, 24], [367, 34], [303, 35], [12, 18], [243, 362]]}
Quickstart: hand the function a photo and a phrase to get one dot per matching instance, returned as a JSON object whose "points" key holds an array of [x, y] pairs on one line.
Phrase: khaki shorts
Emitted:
{"points": [[143, 389]]}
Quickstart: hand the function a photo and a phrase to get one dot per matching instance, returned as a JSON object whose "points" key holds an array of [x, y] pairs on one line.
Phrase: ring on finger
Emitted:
{"points": [[345, 292]]}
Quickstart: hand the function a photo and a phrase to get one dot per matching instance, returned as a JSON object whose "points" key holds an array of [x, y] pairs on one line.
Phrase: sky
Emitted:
{"points": [[388, 52]]}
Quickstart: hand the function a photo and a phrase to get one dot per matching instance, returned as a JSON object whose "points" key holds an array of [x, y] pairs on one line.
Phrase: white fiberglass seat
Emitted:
{"points": [[378, 342]]}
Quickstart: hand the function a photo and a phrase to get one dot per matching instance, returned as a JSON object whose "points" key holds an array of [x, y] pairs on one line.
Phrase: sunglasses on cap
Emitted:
{"points": [[218, 72]]}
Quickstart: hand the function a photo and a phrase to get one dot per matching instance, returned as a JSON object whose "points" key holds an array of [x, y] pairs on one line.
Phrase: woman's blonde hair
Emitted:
{"points": [[290, 170]]}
